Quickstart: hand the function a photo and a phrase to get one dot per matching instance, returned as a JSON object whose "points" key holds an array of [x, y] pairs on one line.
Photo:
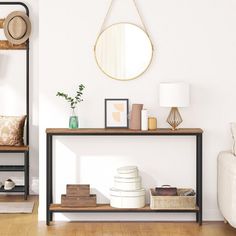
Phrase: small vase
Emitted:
{"points": [[135, 119], [73, 122]]}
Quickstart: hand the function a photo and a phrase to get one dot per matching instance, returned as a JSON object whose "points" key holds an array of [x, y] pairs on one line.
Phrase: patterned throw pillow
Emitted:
{"points": [[233, 130], [12, 130]]}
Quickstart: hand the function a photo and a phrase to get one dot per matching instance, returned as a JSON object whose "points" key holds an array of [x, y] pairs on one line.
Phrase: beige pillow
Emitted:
{"points": [[233, 130], [12, 130]]}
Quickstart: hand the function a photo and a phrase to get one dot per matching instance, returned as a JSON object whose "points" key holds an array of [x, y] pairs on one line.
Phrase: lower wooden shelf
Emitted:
{"points": [[108, 208]]}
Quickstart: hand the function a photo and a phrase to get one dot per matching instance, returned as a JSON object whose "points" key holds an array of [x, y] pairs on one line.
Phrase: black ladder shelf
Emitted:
{"points": [[5, 45]]}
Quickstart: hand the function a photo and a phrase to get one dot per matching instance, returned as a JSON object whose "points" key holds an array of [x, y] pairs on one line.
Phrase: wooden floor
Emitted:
{"points": [[28, 225]]}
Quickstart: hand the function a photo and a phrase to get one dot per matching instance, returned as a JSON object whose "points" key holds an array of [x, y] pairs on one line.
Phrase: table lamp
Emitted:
{"points": [[174, 95]]}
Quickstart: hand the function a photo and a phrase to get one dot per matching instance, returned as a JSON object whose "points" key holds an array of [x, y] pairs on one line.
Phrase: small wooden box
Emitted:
{"points": [[172, 202], [72, 201], [78, 190]]}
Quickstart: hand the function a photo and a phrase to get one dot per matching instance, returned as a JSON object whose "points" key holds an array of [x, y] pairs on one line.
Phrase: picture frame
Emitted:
{"points": [[116, 113]]}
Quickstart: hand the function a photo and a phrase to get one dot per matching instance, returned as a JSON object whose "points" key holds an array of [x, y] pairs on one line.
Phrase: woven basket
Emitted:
{"points": [[172, 202]]}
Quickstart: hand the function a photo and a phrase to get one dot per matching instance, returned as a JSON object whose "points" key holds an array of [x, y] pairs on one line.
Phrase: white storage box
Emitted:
{"points": [[127, 199], [127, 183], [128, 172]]}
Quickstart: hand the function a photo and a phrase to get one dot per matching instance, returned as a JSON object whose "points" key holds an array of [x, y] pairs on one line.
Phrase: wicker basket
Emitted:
{"points": [[172, 202]]}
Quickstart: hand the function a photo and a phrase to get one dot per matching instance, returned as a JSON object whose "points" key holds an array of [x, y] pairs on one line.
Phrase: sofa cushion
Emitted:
{"points": [[12, 130], [233, 130]]}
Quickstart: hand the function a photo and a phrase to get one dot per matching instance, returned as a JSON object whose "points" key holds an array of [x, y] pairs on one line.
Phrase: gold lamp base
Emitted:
{"points": [[174, 118]]}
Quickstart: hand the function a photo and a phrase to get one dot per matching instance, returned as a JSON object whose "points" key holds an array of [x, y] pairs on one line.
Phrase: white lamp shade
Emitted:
{"points": [[174, 95]]}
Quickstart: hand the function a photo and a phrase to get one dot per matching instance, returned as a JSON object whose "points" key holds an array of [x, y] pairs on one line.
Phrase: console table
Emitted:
{"points": [[54, 208]]}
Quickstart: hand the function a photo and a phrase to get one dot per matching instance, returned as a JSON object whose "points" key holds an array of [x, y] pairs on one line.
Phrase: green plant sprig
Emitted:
{"points": [[73, 100]]}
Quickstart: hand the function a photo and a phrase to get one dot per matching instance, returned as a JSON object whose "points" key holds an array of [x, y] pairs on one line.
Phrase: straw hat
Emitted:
{"points": [[17, 27]]}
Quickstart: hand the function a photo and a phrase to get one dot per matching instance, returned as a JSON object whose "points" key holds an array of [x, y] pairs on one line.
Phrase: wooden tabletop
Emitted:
{"points": [[14, 148], [100, 131]]}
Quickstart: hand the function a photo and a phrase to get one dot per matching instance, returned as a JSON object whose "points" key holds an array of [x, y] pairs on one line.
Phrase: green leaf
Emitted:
{"points": [[73, 100]]}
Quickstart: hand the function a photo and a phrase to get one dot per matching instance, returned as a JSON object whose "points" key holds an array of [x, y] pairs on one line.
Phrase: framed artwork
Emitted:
{"points": [[116, 113]]}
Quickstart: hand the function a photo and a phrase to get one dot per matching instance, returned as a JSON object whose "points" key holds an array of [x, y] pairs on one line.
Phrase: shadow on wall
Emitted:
{"points": [[4, 62], [147, 180], [95, 163], [88, 170]]}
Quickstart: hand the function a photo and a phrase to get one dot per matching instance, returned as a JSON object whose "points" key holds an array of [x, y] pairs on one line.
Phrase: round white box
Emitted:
{"points": [[128, 184], [127, 171], [127, 199]]}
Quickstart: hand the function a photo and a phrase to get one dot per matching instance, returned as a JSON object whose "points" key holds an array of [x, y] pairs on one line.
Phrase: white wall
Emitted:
{"points": [[194, 42], [12, 94]]}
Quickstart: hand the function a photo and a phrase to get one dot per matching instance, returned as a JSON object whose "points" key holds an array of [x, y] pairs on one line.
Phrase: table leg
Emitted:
{"points": [[49, 178], [26, 177], [199, 177]]}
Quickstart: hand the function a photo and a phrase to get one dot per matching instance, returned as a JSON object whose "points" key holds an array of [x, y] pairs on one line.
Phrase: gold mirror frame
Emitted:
{"points": [[136, 76]]}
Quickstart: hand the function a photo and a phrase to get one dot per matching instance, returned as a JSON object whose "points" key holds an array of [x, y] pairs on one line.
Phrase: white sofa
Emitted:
{"points": [[227, 186]]}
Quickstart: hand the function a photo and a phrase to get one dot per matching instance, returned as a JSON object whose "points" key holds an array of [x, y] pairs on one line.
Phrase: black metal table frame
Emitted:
{"points": [[26, 152], [49, 178]]}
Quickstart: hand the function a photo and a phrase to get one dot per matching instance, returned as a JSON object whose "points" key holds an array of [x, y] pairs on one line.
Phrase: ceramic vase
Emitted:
{"points": [[73, 121], [135, 117]]}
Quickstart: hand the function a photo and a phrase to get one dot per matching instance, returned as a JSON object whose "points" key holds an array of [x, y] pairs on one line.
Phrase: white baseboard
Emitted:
{"points": [[34, 187], [212, 215], [209, 215]]}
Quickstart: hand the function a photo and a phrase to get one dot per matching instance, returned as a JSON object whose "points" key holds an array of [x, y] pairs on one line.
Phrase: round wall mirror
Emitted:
{"points": [[123, 51]]}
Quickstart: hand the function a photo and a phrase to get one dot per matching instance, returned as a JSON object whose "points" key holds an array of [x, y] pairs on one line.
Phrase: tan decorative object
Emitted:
{"points": [[174, 118], [135, 119], [12, 130], [172, 202], [17, 27], [79, 190], [152, 123], [75, 201], [233, 131]]}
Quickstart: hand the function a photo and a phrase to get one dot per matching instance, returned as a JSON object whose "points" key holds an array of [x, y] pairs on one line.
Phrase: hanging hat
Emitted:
{"points": [[17, 27]]}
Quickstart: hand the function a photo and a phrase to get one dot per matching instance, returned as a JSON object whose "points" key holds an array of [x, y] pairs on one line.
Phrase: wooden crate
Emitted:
{"points": [[172, 202], [78, 190], [72, 201]]}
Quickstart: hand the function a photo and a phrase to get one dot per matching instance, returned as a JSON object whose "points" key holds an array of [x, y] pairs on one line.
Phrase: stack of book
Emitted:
{"points": [[78, 195]]}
